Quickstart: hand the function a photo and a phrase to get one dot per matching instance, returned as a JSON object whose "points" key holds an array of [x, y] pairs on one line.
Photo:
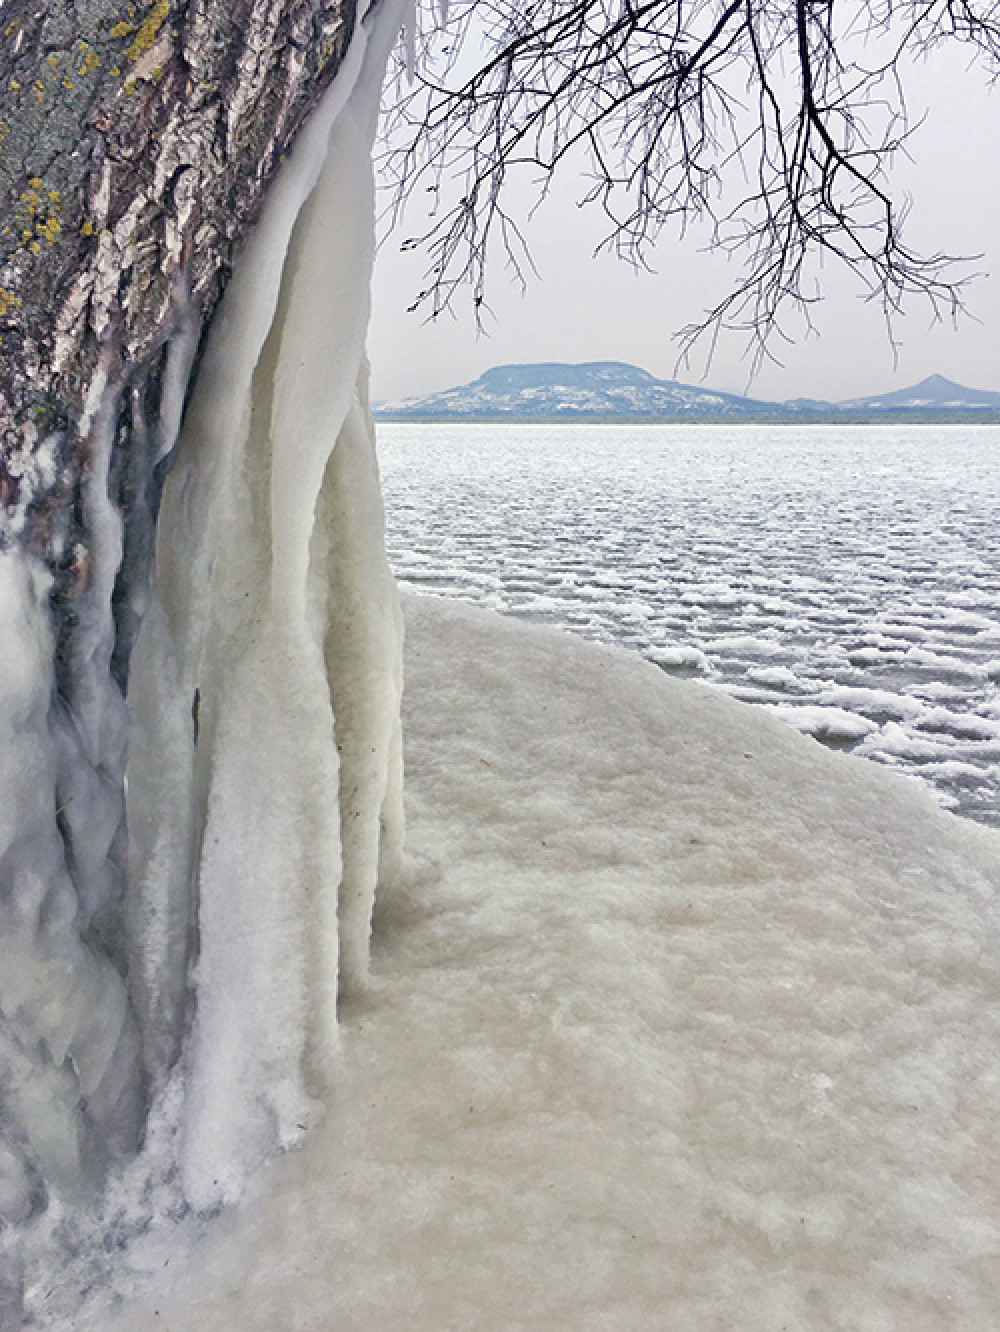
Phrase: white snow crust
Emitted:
{"points": [[680, 1021], [827, 723]]}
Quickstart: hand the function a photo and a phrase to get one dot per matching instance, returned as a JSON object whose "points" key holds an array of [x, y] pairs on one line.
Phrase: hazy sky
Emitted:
{"points": [[584, 308]]}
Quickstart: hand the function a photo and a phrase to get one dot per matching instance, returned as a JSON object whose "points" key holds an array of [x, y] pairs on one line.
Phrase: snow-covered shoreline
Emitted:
{"points": [[821, 571], [679, 1021]]}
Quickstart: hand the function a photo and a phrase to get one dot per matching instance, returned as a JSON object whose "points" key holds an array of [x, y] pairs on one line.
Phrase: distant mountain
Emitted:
{"points": [[556, 391], [612, 389], [933, 394]]}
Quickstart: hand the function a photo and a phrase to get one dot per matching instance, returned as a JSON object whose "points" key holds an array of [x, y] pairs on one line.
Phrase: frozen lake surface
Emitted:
{"points": [[845, 577]]}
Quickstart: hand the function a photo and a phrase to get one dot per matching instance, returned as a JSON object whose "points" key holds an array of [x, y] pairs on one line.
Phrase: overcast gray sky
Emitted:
{"points": [[586, 308]]}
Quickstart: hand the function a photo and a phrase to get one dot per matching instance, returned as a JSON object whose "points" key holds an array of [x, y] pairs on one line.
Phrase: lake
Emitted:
{"points": [[845, 577]]}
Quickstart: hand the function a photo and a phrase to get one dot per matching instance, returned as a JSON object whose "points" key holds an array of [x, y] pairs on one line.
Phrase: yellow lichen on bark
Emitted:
{"points": [[149, 30], [89, 60]]}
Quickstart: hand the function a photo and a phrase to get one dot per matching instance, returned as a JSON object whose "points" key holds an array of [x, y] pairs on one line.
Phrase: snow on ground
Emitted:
{"points": [[680, 1022]]}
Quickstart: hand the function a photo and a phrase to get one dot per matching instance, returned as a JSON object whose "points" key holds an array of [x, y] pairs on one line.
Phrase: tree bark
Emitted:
{"points": [[136, 146]]}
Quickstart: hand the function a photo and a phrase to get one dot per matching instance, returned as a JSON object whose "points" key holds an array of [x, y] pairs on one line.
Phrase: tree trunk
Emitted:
{"points": [[136, 144], [136, 147]]}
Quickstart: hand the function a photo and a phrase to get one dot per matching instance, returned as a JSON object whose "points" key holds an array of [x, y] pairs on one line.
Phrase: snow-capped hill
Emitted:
{"points": [[603, 390], [594, 389], [935, 394]]}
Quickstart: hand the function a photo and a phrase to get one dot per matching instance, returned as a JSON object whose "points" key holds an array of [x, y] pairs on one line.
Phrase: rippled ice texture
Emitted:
{"points": [[845, 577]]}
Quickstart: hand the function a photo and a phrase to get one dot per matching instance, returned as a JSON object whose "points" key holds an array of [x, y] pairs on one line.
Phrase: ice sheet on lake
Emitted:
{"points": [[809, 567], [678, 1012]]}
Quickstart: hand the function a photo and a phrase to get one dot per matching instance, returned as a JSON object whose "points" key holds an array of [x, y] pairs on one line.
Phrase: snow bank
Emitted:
{"points": [[680, 1020]]}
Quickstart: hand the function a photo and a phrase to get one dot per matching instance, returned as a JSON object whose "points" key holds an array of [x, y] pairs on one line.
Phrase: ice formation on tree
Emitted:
{"points": [[263, 764]]}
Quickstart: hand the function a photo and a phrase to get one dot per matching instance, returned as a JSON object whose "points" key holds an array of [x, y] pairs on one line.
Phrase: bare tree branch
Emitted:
{"points": [[776, 121]]}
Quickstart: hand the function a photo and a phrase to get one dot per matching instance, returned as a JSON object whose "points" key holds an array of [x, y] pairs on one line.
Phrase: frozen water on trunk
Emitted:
{"points": [[268, 676], [186, 954]]}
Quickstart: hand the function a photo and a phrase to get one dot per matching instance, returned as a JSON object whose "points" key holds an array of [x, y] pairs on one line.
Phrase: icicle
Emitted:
{"points": [[181, 351], [236, 795], [364, 665]]}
